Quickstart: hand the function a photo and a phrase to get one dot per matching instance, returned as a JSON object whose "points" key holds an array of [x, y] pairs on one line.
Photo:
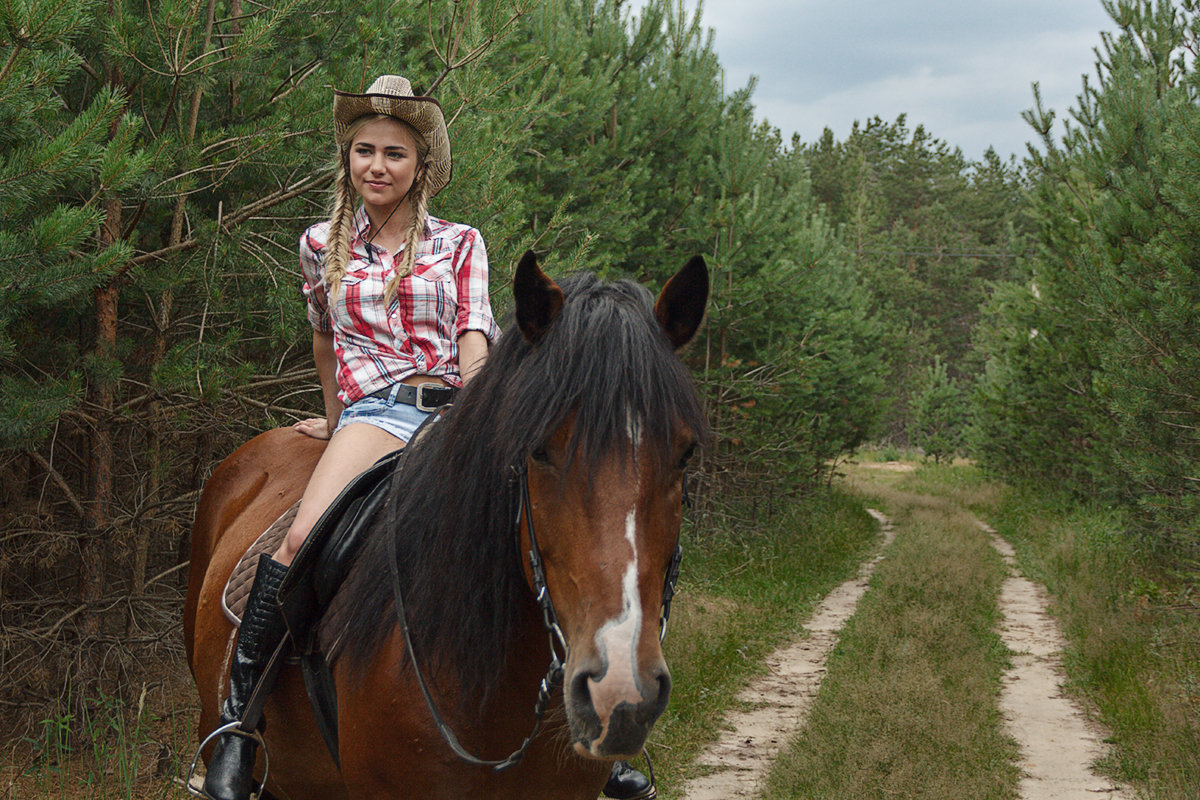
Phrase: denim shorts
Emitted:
{"points": [[399, 419]]}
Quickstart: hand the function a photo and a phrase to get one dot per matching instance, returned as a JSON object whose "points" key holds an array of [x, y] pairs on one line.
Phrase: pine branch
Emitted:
{"points": [[232, 221], [455, 40], [167, 572], [250, 401], [59, 481], [282, 195], [12, 60]]}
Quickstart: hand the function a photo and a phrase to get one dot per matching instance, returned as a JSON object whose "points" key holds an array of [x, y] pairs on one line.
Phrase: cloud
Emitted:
{"points": [[964, 70]]}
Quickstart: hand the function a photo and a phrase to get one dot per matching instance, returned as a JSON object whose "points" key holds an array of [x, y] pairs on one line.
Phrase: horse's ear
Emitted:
{"points": [[538, 299], [680, 305]]}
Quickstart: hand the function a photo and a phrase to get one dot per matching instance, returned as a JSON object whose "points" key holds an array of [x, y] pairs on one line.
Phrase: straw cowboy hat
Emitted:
{"points": [[393, 95]]}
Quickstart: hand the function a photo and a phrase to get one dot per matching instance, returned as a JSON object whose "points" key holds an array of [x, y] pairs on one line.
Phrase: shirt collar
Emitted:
{"points": [[362, 224]]}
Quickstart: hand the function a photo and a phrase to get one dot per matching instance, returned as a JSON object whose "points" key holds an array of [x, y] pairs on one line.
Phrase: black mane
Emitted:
{"points": [[606, 358]]}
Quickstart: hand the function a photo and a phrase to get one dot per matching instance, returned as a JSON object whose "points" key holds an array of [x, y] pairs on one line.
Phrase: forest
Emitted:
{"points": [[158, 162]]}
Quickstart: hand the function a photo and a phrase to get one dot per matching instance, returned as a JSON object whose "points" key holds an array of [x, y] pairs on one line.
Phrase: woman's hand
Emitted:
{"points": [[316, 427]]}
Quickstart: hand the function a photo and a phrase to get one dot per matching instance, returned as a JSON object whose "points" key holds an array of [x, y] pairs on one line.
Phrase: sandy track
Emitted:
{"points": [[736, 763], [1058, 744]]}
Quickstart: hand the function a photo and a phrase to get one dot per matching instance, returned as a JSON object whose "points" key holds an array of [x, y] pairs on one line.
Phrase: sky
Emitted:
{"points": [[962, 68]]}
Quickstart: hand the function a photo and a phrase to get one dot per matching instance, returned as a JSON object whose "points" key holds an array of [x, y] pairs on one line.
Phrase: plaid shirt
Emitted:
{"points": [[417, 333]]}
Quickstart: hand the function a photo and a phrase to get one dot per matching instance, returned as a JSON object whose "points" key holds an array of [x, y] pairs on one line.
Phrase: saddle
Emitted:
{"points": [[316, 574]]}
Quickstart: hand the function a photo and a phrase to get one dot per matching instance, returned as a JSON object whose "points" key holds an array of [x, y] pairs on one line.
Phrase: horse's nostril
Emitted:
{"points": [[580, 691], [656, 689], [664, 685]]}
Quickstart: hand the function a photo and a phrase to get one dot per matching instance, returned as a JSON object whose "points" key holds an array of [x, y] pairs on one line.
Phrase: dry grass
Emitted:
{"points": [[744, 589], [1131, 619], [104, 748]]}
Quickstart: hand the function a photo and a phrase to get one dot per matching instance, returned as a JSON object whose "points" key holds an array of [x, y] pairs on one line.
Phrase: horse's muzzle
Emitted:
{"points": [[612, 721]]}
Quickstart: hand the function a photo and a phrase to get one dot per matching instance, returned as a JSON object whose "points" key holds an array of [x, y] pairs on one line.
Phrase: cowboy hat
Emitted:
{"points": [[393, 95]]}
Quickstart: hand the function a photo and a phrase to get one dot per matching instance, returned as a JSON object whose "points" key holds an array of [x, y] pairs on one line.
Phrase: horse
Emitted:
{"points": [[536, 522]]}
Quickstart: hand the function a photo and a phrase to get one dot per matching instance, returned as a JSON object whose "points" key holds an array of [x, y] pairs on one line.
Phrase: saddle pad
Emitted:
{"points": [[237, 588]]}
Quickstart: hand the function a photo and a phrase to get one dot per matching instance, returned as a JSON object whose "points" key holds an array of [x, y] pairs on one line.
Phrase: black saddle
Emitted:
{"points": [[318, 571]]}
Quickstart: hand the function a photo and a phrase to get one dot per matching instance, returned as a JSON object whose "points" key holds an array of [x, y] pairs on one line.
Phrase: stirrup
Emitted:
{"points": [[234, 728]]}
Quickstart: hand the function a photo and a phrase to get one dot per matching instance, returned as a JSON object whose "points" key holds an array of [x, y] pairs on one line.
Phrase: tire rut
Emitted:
{"points": [[1058, 742], [779, 701]]}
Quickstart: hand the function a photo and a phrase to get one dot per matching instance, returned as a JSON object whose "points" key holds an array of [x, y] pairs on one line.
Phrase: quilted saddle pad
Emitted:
{"points": [[237, 588]]}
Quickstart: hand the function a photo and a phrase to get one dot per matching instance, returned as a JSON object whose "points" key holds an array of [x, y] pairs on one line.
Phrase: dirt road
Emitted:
{"points": [[1057, 742]]}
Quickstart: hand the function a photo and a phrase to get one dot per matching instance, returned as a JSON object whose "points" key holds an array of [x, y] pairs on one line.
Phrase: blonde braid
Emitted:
{"points": [[341, 231], [418, 202]]}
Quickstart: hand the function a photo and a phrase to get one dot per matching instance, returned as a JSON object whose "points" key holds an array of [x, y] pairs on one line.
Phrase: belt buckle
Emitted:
{"points": [[419, 400]]}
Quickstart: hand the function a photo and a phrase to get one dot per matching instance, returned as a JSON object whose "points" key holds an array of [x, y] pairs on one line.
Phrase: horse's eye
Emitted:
{"points": [[687, 456], [539, 454]]}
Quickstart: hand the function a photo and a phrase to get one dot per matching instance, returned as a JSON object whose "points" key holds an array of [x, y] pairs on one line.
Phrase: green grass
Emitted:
{"points": [[743, 593], [1131, 618], [887, 452], [104, 748], [907, 708]]}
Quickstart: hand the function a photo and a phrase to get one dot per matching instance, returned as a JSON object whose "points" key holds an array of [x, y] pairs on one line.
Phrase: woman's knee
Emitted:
{"points": [[293, 541]]}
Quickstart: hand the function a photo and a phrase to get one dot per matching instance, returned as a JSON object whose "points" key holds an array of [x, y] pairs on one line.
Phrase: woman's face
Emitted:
{"points": [[383, 163]]}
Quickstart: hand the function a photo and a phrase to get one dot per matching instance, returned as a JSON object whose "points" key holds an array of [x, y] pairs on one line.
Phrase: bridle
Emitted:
{"points": [[558, 642]]}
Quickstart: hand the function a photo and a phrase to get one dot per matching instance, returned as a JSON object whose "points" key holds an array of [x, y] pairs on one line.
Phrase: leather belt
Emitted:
{"points": [[425, 396]]}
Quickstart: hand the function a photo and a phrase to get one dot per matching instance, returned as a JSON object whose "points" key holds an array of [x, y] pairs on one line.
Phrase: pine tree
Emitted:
{"points": [[159, 163], [638, 159], [929, 232], [147, 247], [1116, 203], [939, 414]]}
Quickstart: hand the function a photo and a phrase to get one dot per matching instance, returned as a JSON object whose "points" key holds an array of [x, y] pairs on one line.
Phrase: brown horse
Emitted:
{"points": [[568, 446]]}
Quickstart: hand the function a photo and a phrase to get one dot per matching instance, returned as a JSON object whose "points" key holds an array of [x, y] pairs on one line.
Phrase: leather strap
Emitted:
{"points": [[426, 396], [552, 678], [554, 673], [252, 715]]}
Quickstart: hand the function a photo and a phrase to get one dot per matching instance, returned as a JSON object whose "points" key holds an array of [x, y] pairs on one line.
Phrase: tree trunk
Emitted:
{"points": [[101, 397]]}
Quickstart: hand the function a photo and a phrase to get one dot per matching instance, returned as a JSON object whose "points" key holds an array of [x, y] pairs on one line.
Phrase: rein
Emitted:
{"points": [[554, 673]]}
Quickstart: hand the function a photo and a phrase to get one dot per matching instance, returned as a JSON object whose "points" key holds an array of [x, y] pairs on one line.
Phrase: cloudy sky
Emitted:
{"points": [[962, 68]]}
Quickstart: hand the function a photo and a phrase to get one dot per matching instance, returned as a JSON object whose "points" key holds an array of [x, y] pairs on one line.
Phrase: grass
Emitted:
{"points": [[907, 708], [885, 453], [908, 705], [744, 592], [103, 748], [1131, 619]]}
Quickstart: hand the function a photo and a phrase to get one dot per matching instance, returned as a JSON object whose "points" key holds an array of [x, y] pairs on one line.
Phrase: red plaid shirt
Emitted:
{"points": [[417, 333]]}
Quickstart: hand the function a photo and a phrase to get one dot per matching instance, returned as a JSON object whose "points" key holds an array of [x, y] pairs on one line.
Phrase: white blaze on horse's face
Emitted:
{"points": [[617, 639], [617, 642]]}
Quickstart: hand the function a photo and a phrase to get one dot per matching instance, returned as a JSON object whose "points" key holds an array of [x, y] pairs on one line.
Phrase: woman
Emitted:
{"points": [[398, 301]]}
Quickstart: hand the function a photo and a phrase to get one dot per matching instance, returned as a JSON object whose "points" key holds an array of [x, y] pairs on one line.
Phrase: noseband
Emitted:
{"points": [[558, 642]]}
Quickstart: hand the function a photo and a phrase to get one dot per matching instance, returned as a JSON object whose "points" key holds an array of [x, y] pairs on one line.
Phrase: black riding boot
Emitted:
{"points": [[230, 774], [626, 783]]}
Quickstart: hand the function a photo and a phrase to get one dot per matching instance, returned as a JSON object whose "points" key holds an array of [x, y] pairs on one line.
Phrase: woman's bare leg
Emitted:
{"points": [[350, 451]]}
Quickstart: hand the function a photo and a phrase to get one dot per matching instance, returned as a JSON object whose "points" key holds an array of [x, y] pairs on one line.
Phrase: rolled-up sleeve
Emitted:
{"points": [[471, 274], [312, 261]]}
